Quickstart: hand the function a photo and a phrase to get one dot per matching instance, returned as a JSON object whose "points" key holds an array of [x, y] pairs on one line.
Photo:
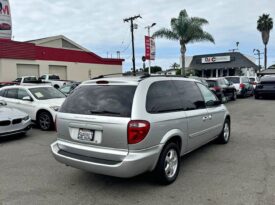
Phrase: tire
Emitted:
{"points": [[168, 166], [234, 96], [45, 121], [257, 96], [224, 136]]}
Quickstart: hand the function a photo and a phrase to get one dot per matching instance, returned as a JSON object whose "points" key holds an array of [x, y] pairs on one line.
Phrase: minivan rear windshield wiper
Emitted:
{"points": [[104, 112]]}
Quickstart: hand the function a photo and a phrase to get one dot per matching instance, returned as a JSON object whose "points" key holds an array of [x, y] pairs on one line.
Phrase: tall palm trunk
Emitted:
{"points": [[265, 57], [265, 37], [183, 51]]}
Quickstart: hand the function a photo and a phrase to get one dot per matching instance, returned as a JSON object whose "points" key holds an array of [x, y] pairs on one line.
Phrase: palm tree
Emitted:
{"points": [[186, 30], [265, 25], [175, 66]]}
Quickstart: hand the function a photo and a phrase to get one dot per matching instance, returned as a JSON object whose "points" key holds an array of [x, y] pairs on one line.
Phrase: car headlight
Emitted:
{"points": [[55, 108], [26, 118]]}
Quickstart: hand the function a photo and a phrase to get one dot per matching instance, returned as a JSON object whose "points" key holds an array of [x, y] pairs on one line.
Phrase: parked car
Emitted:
{"points": [[266, 87], [54, 80], [126, 126], [13, 121], [28, 80], [242, 85], [202, 80], [3, 84], [5, 26], [254, 81], [41, 103], [67, 89], [223, 89]]}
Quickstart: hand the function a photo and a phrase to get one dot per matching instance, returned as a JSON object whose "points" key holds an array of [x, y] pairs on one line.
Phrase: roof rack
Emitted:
{"points": [[153, 76], [103, 76]]}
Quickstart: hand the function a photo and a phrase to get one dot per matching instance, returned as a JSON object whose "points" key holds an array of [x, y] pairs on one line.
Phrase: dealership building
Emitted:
{"points": [[223, 64], [54, 55]]}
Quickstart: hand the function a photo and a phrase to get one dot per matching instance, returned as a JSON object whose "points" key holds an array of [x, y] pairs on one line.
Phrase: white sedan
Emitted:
{"points": [[41, 103], [13, 121]]}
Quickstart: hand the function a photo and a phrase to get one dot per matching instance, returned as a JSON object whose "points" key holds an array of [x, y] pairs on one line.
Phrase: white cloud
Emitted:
{"points": [[98, 24]]}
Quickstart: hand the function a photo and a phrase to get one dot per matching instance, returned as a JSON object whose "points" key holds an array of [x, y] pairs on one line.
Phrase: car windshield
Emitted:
{"points": [[46, 93], [66, 89], [212, 83], [233, 79], [111, 100]]}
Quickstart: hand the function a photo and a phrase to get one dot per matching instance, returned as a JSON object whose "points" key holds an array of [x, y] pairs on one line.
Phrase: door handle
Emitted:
{"points": [[205, 118]]}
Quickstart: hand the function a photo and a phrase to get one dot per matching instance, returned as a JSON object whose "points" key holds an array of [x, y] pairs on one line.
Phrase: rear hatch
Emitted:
{"points": [[235, 80], [97, 115], [267, 84]]}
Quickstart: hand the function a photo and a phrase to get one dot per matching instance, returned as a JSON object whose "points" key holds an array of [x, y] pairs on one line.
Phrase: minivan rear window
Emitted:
{"points": [[105, 100], [235, 80]]}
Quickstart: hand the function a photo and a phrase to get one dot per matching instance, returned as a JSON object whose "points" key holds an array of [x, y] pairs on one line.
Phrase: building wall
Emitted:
{"points": [[53, 44], [75, 71]]}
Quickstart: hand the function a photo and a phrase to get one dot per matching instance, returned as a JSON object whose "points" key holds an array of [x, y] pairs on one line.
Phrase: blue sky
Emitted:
{"points": [[98, 25]]}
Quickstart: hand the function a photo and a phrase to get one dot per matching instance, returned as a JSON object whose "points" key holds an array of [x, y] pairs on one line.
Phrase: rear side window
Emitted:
{"points": [[2, 93], [190, 95], [162, 98], [107, 100], [11, 93]]}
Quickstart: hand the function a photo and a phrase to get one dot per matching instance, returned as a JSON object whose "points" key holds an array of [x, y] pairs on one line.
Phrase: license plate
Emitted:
{"points": [[86, 135]]}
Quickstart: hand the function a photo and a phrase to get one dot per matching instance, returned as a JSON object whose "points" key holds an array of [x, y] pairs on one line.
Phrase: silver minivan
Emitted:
{"points": [[126, 126]]}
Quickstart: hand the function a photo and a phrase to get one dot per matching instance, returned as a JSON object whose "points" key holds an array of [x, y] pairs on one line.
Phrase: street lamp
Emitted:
{"points": [[148, 28]]}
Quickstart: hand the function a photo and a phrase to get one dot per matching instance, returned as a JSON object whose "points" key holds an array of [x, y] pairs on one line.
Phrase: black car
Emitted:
{"points": [[223, 89], [265, 88], [67, 89]]}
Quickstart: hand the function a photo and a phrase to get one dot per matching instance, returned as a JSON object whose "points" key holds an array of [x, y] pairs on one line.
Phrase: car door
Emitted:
{"points": [[10, 97], [196, 113], [26, 106], [215, 112]]}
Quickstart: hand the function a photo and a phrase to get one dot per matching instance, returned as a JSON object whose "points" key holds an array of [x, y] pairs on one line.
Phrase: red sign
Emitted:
{"points": [[150, 48]]}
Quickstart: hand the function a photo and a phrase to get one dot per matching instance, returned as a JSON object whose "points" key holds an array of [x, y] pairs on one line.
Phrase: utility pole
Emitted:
{"points": [[131, 19], [258, 53], [149, 27]]}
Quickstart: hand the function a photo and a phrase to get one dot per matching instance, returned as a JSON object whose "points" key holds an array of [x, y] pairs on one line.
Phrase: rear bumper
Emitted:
{"points": [[134, 163], [5, 134], [265, 92]]}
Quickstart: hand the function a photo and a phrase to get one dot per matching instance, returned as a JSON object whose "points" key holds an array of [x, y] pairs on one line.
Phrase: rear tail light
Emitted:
{"points": [[242, 86], [137, 131], [217, 88]]}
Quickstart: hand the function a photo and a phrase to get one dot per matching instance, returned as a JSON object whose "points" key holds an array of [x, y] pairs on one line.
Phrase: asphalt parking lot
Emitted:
{"points": [[242, 172]]}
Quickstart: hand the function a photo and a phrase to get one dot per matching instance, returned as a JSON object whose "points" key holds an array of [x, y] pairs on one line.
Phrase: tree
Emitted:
{"points": [[265, 25], [186, 30], [175, 66]]}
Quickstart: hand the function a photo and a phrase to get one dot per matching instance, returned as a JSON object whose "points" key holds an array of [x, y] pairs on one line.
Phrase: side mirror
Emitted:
{"points": [[213, 103], [3, 103], [27, 98]]}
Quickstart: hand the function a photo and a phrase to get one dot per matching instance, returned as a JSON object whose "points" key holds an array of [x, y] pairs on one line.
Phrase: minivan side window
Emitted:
{"points": [[190, 95], [207, 94], [162, 98]]}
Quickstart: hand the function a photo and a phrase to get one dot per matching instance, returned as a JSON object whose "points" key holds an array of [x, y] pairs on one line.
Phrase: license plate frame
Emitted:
{"points": [[86, 135]]}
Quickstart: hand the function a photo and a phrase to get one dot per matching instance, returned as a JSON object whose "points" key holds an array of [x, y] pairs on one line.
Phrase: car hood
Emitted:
{"points": [[7, 113], [52, 102]]}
